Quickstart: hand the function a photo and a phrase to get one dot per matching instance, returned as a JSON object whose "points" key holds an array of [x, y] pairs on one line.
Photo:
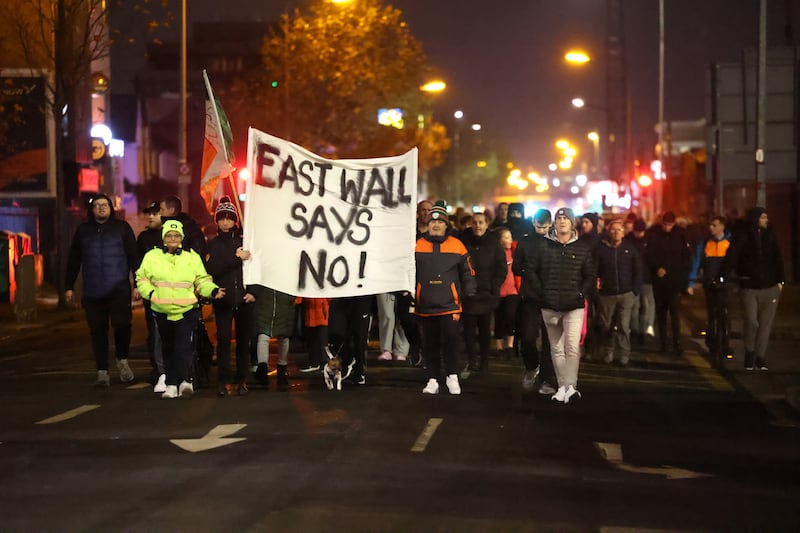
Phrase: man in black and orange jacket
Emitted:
{"points": [[444, 276]]}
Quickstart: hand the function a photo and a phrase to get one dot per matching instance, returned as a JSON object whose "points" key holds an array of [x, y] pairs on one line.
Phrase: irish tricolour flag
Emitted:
{"points": [[218, 159]]}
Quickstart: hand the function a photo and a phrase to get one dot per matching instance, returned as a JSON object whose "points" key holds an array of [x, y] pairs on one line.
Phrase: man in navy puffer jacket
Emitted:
{"points": [[104, 250]]}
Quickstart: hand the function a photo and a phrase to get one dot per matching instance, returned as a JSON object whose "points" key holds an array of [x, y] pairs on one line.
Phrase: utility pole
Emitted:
{"points": [[761, 107], [184, 172], [60, 217], [663, 160]]}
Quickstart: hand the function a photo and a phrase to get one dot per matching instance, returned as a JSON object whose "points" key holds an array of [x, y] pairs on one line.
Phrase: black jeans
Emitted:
{"points": [[153, 341], [667, 302], [532, 329], [177, 338], [116, 309], [316, 339], [244, 317], [348, 329], [719, 320], [441, 342], [482, 325]]}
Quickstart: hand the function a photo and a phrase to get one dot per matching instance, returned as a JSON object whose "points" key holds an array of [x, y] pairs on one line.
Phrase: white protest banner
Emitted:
{"points": [[318, 227]]}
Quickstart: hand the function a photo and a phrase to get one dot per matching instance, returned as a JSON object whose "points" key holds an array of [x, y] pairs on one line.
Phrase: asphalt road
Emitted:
{"points": [[666, 444]]}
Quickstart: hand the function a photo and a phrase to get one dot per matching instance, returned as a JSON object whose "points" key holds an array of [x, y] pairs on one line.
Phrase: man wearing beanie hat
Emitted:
{"points": [[517, 223], [224, 263], [444, 276], [170, 278], [562, 274], [104, 251]]}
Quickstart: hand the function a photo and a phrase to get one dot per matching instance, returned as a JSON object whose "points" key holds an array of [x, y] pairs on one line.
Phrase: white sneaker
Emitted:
{"points": [[171, 392], [452, 384], [650, 332], [573, 393], [186, 389], [560, 394], [161, 384], [432, 387], [102, 379], [125, 372], [400, 357], [385, 356]]}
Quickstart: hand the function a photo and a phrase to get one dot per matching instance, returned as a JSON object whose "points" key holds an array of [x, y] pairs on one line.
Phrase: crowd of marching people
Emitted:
{"points": [[549, 288]]}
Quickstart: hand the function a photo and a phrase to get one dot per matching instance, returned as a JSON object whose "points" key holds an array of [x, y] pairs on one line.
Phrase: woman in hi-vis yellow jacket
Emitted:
{"points": [[171, 278]]}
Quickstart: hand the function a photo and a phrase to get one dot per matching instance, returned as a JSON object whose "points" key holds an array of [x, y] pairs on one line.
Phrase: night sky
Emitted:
{"points": [[503, 63]]}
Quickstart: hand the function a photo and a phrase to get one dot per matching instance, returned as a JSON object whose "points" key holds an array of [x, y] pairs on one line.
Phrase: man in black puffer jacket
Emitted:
{"points": [[619, 270], [562, 274], [104, 250], [489, 262]]}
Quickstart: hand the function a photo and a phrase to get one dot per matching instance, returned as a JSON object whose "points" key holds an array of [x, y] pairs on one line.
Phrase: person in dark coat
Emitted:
{"points": [[148, 239], [619, 271], [489, 262], [274, 317], [517, 223], [104, 250], [537, 362], [224, 264], [561, 275], [668, 257], [643, 313], [757, 259], [348, 332]]}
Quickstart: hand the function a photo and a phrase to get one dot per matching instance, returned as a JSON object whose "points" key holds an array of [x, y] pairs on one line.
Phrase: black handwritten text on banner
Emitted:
{"points": [[318, 227]]}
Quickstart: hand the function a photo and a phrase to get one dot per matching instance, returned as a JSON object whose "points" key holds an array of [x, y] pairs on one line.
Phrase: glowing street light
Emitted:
{"points": [[458, 114], [577, 57], [561, 144], [578, 102], [476, 127], [433, 86]]}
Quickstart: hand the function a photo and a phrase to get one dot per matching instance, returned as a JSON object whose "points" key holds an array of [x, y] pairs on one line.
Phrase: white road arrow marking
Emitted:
{"points": [[72, 413], [612, 452], [213, 439]]}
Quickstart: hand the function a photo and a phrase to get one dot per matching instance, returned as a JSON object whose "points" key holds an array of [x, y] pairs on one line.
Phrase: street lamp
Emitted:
{"points": [[577, 57]]}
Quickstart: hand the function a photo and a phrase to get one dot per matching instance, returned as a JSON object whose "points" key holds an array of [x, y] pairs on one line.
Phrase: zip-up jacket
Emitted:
{"points": [[619, 268], [106, 254], [563, 274], [525, 257], [275, 311], [226, 269], [147, 240], [171, 281], [757, 255], [669, 250], [444, 275], [489, 262], [709, 257]]}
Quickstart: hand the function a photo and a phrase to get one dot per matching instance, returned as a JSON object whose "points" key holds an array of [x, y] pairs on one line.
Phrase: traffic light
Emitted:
{"points": [[644, 181], [274, 84]]}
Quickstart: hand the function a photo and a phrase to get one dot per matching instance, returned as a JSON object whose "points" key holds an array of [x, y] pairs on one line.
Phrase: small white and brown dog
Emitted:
{"points": [[332, 372]]}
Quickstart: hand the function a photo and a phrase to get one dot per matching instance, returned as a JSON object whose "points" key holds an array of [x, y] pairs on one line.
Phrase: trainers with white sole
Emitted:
{"points": [[400, 357], [161, 384], [185, 390], [125, 372], [571, 394], [432, 387], [102, 379], [453, 387], [385, 356], [171, 392], [560, 394]]}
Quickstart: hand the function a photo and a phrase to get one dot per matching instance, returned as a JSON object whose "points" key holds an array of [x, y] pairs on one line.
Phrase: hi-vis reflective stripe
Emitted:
{"points": [[174, 284], [174, 301]]}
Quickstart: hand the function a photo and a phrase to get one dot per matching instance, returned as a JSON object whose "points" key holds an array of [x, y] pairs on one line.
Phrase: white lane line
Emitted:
{"points": [[136, 386], [426, 435], [72, 413]]}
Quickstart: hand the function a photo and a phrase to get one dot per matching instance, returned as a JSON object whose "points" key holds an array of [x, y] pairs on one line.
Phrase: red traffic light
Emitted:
{"points": [[645, 180]]}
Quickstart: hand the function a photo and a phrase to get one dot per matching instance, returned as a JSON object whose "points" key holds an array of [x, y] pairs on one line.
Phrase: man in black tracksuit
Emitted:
{"points": [[148, 239], [104, 250]]}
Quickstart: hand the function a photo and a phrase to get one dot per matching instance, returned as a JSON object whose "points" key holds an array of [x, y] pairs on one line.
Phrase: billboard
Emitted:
{"points": [[27, 151]]}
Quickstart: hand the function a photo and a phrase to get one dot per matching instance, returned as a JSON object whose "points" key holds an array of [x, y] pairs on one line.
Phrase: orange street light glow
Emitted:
{"points": [[577, 57], [435, 86]]}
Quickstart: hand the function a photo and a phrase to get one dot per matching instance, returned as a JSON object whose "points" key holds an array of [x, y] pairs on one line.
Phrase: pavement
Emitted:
{"points": [[778, 388]]}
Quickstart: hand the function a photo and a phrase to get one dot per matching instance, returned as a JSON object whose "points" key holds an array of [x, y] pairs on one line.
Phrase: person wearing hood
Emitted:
{"points": [[444, 277], [757, 259], [104, 251], [562, 274], [224, 264], [489, 261], [517, 223], [171, 278]]}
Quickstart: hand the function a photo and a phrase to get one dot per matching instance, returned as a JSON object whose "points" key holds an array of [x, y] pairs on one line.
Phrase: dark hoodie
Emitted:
{"points": [[106, 253], [518, 226], [756, 256]]}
